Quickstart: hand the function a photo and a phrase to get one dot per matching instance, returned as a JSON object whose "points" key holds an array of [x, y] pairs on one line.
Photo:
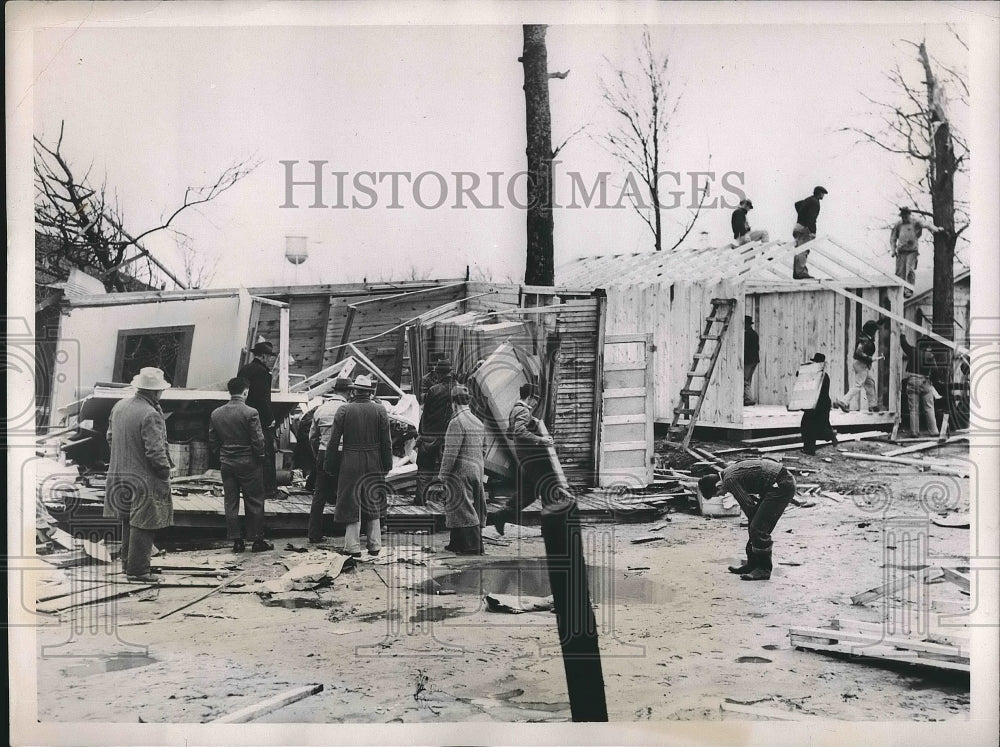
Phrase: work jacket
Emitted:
{"points": [[259, 397], [234, 431]]}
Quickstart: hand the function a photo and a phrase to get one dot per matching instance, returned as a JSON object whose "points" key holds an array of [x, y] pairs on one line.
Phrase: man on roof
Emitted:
{"points": [[806, 213], [903, 240]]}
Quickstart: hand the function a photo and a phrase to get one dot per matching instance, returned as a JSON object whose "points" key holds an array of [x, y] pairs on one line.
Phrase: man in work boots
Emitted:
{"points": [[763, 488], [325, 490], [138, 482], [234, 432], [806, 213], [532, 457], [434, 419], [258, 373]]}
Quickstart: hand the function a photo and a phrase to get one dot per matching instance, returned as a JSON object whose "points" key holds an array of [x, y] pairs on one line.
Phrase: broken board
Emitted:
{"points": [[805, 389]]}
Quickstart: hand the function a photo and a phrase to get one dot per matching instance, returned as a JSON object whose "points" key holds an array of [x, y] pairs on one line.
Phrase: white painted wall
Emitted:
{"points": [[220, 329]]}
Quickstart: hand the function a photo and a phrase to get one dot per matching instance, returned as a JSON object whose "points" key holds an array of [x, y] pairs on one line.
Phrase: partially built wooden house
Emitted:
{"points": [[667, 296]]}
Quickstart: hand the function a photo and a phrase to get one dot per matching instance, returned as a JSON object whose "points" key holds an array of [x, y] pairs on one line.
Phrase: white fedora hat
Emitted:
{"points": [[363, 382], [150, 378]]}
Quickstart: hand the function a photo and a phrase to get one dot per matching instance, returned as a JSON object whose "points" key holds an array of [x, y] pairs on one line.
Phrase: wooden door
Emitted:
{"points": [[626, 445]]}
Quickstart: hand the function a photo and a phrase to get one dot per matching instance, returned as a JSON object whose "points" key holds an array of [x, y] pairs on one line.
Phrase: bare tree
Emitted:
{"points": [[917, 126], [540, 262], [644, 107], [88, 222], [198, 267]]}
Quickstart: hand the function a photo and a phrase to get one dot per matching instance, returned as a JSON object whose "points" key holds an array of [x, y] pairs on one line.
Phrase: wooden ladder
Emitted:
{"points": [[693, 398]]}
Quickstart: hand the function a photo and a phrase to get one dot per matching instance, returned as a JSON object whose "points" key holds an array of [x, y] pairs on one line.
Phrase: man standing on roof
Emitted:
{"points": [[751, 357], [763, 488], [903, 242], [862, 384], [816, 422], [138, 483], [258, 373], [319, 438], [806, 213], [741, 226], [234, 432], [361, 466], [434, 420], [532, 455]]}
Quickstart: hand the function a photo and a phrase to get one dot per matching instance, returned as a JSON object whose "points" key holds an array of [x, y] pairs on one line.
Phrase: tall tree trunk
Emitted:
{"points": [[539, 266], [942, 186]]}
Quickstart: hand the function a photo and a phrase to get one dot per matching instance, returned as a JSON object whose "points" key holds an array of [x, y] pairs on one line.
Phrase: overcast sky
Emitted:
{"points": [[157, 109]]}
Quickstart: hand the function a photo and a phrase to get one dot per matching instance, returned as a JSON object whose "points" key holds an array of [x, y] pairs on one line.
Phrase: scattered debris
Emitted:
{"points": [[643, 540], [955, 521], [958, 470], [515, 604], [891, 587], [766, 713]]}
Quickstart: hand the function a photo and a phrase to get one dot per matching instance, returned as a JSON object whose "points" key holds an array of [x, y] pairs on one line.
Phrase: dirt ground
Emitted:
{"points": [[679, 634]]}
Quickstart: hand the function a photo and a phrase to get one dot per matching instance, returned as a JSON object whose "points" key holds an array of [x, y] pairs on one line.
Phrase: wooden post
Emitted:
{"points": [[574, 615], [283, 314]]}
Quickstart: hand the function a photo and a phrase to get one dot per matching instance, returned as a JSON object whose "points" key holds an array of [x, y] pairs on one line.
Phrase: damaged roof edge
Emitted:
{"points": [[342, 289]]}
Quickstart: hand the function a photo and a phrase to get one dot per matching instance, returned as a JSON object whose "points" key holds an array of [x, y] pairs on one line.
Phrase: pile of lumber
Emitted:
{"points": [[946, 465], [872, 641]]}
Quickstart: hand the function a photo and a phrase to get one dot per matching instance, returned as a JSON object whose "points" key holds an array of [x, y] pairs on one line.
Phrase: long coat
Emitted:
{"points": [[361, 467], [138, 482], [462, 471]]}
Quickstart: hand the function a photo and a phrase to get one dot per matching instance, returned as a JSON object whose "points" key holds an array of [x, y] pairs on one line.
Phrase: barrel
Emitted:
{"points": [[199, 457], [180, 455]]}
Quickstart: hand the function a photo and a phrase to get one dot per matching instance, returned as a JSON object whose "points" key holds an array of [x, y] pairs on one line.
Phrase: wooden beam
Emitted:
{"points": [[252, 712], [375, 369], [895, 317], [893, 279], [270, 302], [923, 446], [768, 713], [959, 579], [840, 439], [406, 294], [938, 468], [891, 587], [283, 341]]}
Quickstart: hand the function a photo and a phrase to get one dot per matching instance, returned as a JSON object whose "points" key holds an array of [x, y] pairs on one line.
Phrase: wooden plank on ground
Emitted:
{"points": [[843, 438], [877, 652], [955, 470], [891, 587], [91, 596], [273, 703], [864, 638], [959, 579], [923, 446], [768, 713]]}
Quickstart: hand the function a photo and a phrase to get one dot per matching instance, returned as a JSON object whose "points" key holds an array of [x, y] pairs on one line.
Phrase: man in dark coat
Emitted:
{"points": [[816, 422], [763, 488], [430, 435], [325, 489], [461, 476], [806, 213], [138, 483], [432, 377], [258, 373], [234, 432], [741, 225], [751, 357], [532, 452], [360, 468]]}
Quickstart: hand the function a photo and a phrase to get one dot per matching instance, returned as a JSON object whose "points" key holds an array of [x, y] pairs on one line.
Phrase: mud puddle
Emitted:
{"points": [[437, 614], [530, 577]]}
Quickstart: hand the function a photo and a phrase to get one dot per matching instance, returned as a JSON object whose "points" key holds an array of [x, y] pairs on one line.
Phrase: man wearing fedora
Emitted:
{"points": [[361, 466], [816, 421], [751, 357], [741, 225], [138, 482], [234, 432], [258, 373], [903, 240], [434, 420], [320, 431]]}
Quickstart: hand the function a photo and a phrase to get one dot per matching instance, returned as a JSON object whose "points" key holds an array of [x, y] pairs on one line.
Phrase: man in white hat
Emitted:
{"points": [[138, 482], [361, 466]]}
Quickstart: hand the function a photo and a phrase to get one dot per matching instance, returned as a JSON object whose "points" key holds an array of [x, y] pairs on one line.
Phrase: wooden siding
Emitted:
{"points": [[575, 385], [675, 315]]}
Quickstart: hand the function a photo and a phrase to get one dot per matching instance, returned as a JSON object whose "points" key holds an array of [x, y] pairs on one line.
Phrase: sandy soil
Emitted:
{"points": [[679, 634]]}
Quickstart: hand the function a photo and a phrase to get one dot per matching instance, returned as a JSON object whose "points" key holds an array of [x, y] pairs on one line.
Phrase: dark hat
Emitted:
{"points": [[820, 191], [747, 203], [341, 384], [436, 356], [263, 348], [442, 364], [904, 211], [819, 358], [870, 327], [748, 319], [708, 485]]}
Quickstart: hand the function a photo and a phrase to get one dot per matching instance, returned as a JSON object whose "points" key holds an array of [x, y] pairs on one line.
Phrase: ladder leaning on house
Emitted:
{"points": [[709, 347]]}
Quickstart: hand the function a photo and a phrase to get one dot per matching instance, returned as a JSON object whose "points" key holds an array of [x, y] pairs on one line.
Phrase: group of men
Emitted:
{"points": [[903, 238]]}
